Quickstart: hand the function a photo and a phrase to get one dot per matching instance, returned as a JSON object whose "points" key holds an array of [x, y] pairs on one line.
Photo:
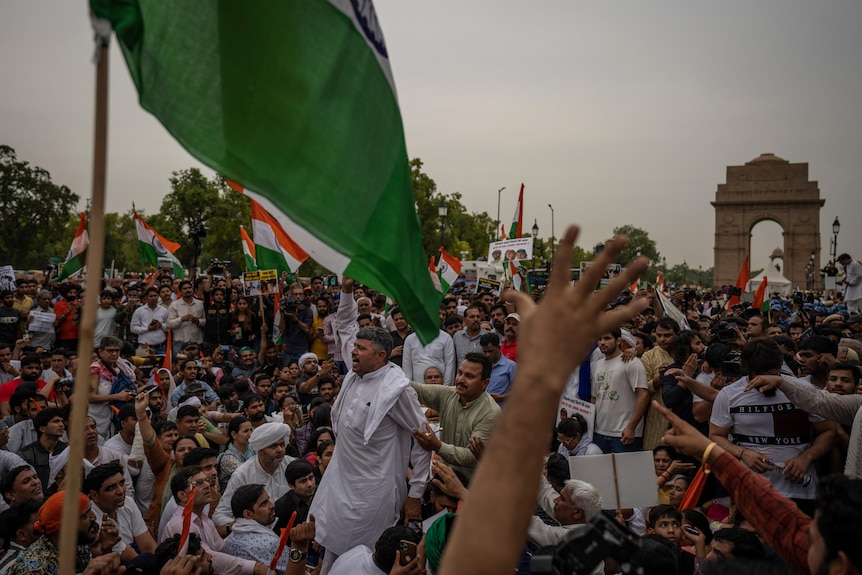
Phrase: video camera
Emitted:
{"points": [[585, 546], [724, 332], [731, 367], [218, 266]]}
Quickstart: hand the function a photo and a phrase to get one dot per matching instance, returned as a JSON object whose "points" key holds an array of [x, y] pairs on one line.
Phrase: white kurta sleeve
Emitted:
{"points": [[346, 324], [450, 369], [408, 414]]}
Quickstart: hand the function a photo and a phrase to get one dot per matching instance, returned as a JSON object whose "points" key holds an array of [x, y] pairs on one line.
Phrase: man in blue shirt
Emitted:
{"points": [[502, 368]]}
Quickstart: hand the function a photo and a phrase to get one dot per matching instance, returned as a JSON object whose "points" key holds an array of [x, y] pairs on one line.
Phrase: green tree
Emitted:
{"points": [[639, 244], [35, 213], [459, 225], [190, 205]]}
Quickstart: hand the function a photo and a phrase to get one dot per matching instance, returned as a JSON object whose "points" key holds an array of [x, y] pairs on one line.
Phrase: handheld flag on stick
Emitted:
{"points": [[760, 296], [741, 283], [291, 122], [187, 524], [515, 231], [282, 542], [274, 248], [435, 277], [152, 246], [248, 250], [448, 269], [76, 257]]}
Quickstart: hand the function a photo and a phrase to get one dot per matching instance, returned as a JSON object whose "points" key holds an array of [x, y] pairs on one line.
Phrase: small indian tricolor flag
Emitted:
{"points": [[448, 269], [77, 253], [152, 247], [248, 250]]}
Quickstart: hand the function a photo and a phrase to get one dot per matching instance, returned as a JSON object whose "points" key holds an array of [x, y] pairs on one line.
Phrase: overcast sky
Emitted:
{"points": [[613, 112]]}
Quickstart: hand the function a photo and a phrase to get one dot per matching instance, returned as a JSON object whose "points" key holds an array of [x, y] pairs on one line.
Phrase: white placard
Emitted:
{"points": [[634, 478]]}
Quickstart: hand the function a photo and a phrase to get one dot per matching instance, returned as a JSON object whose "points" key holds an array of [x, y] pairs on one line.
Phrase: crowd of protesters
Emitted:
{"points": [[321, 409]]}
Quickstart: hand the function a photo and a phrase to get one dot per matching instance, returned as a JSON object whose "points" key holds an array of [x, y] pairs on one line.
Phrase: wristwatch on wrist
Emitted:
{"points": [[296, 555]]}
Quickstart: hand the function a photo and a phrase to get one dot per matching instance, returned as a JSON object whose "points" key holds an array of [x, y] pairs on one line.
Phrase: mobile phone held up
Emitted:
{"points": [[408, 551]]}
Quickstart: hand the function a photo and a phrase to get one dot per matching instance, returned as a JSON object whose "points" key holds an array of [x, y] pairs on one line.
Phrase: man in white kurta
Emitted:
{"points": [[374, 416], [265, 468], [439, 353], [853, 283]]}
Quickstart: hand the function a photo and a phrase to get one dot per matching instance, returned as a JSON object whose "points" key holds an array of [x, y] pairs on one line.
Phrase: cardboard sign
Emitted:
{"points": [[625, 480], [264, 282], [510, 250], [7, 278], [491, 285]]}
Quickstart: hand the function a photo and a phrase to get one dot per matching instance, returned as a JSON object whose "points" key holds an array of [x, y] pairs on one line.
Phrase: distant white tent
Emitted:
{"points": [[776, 281]]}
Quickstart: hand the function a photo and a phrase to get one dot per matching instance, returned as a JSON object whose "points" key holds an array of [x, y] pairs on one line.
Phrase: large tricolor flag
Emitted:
{"points": [[152, 246], [515, 231], [742, 282], [448, 270], [248, 250], [76, 258], [296, 102]]}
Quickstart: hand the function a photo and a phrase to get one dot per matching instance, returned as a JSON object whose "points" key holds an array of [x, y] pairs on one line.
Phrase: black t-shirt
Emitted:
{"points": [[10, 318]]}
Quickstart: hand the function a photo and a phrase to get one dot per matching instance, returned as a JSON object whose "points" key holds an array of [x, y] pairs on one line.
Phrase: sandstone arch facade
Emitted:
{"points": [[767, 188]]}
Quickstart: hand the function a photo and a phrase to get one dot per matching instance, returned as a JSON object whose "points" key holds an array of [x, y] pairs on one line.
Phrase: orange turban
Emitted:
{"points": [[51, 512]]}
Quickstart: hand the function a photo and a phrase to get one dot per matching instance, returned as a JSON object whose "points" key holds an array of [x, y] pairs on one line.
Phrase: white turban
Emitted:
{"points": [[628, 338], [267, 434], [305, 357], [57, 463]]}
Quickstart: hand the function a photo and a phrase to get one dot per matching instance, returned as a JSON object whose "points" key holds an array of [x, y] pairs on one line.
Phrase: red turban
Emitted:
{"points": [[51, 512]]}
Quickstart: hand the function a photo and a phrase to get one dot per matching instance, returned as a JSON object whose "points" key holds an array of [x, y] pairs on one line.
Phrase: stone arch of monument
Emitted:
{"points": [[767, 188]]}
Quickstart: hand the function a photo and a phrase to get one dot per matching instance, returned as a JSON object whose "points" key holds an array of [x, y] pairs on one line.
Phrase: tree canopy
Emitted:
{"points": [[34, 212]]}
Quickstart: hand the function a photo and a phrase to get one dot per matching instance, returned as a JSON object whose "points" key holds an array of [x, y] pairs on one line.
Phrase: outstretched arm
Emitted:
{"points": [[554, 337]]}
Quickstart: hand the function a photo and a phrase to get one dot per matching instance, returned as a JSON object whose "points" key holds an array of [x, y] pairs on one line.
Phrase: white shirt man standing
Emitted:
{"points": [[150, 322], [852, 282], [186, 318], [373, 418], [621, 397]]}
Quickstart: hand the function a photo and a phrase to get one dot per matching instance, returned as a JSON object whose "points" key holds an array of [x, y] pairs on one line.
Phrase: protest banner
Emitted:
{"points": [[510, 250]]}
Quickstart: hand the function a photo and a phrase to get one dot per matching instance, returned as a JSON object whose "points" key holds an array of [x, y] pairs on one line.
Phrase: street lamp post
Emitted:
{"points": [[535, 235], [684, 270], [553, 238], [442, 210], [836, 227]]}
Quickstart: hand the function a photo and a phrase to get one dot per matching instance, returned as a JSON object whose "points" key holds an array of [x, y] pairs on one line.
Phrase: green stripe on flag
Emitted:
{"points": [[289, 100]]}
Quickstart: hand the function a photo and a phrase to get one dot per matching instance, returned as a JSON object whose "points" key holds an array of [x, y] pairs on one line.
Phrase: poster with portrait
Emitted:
{"points": [[569, 405], [263, 282], [518, 249]]}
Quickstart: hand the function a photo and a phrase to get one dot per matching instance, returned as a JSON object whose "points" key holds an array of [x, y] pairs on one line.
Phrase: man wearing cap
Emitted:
{"points": [[509, 344], [186, 318], [373, 418], [852, 282], [150, 322], [189, 371], [42, 556], [266, 468]]}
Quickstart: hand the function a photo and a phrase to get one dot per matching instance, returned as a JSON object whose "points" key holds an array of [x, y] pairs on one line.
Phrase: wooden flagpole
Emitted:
{"points": [[87, 327]]}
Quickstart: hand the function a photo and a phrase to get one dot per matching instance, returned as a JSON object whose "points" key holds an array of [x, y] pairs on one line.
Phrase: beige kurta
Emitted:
{"points": [[656, 424]]}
